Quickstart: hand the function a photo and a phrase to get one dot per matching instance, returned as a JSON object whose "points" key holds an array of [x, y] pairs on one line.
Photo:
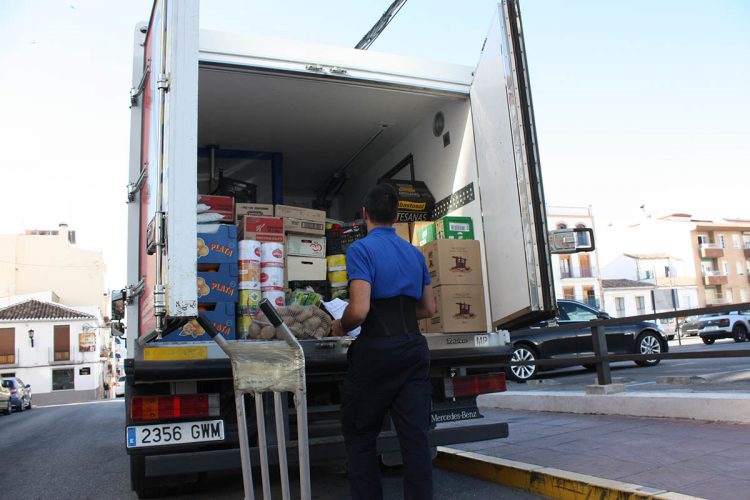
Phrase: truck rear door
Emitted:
{"points": [[513, 208], [169, 142]]}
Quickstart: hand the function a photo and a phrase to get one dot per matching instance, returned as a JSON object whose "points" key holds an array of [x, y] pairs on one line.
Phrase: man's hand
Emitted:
{"points": [[336, 330]]}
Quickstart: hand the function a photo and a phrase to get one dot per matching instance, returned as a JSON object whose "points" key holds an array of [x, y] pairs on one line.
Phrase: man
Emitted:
{"points": [[389, 363]]}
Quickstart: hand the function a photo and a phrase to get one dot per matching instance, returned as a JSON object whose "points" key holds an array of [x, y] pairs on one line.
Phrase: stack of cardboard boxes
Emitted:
{"points": [[454, 262], [305, 242]]}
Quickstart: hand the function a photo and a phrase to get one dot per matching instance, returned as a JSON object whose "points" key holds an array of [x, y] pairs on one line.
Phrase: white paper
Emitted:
{"points": [[336, 308]]}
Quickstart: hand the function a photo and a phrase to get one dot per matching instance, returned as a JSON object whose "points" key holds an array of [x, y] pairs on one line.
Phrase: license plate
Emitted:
{"points": [[138, 436], [712, 328]]}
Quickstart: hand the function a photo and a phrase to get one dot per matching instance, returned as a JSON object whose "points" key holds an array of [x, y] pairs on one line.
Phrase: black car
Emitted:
{"points": [[542, 341], [20, 393]]}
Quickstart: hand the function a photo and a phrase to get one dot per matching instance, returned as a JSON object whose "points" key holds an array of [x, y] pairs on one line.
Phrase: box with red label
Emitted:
{"points": [[267, 229], [217, 244], [223, 205], [306, 246], [221, 315], [218, 284]]}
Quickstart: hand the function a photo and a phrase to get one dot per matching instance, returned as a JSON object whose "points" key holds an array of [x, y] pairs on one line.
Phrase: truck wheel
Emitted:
{"points": [[708, 341], [648, 343], [522, 373], [143, 487], [739, 332]]}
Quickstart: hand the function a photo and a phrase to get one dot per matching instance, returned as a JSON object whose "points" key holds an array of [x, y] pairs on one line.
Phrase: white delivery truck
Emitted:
{"points": [[312, 124]]}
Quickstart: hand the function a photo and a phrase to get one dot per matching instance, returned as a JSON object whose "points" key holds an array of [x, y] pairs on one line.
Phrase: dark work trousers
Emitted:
{"points": [[387, 374]]}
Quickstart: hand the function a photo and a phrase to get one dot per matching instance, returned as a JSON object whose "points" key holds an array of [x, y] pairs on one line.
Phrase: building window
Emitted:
{"points": [[62, 380], [740, 268], [565, 266], [736, 241], [702, 240], [62, 342], [743, 294], [7, 346], [640, 305], [725, 267], [666, 271], [569, 293], [582, 238], [620, 306], [722, 241]]}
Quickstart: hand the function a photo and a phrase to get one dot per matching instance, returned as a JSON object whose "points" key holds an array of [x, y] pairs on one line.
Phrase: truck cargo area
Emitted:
{"points": [[324, 126]]}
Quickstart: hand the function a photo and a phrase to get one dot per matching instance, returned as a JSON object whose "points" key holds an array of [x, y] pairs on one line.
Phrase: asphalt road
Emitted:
{"points": [[77, 452], [724, 374]]}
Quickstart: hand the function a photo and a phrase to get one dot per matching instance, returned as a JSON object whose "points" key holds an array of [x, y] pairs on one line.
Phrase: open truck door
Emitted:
{"points": [[167, 100], [513, 207]]}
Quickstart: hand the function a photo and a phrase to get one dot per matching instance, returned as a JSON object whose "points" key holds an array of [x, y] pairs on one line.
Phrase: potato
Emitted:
{"points": [[313, 323], [267, 332], [306, 314]]}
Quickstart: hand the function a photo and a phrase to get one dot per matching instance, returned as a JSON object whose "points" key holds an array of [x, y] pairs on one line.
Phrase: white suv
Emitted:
{"points": [[731, 325]]}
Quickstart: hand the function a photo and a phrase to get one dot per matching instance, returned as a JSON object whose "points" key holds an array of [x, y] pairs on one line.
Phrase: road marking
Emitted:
{"points": [[82, 403], [641, 383]]}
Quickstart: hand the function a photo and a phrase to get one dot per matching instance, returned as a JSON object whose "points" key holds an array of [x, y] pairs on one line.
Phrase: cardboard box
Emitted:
{"points": [[306, 246], [453, 262], [258, 209], [454, 228], [268, 229], [218, 246], [402, 229], [223, 205], [415, 227], [305, 268], [219, 285], [426, 234], [302, 220], [460, 308], [222, 317]]}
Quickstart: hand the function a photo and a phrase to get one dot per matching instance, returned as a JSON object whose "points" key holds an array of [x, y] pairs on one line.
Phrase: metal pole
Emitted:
{"points": [[262, 445], [603, 375], [300, 401], [281, 443], [247, 473]]}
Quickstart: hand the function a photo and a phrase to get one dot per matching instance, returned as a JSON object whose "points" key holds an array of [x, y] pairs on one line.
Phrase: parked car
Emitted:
{"points": [[731, 325], [542, 341], [6, 403], [120, 387], [20, 393], [689, 326]]}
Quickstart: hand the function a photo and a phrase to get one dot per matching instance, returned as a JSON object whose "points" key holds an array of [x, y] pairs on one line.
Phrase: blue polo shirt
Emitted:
{"points": [[389, 263]]}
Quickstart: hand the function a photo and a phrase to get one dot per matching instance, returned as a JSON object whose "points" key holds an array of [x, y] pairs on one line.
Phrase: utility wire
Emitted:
{"points": [[382, 23]]}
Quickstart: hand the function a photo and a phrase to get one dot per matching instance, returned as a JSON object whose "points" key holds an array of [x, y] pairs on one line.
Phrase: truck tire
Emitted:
{"points": [[143, 487], [739, 332]]}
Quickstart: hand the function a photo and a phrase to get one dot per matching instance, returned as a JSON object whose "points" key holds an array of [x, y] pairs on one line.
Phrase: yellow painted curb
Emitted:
{"points": [[546, 481]]}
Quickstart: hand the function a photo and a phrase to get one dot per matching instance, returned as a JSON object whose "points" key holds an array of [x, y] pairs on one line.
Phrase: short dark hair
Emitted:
{"points": [[381, 203]]}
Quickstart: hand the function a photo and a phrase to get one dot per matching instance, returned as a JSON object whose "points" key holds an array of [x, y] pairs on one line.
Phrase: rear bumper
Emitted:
{"points": [[715, 334], [321, 450]]}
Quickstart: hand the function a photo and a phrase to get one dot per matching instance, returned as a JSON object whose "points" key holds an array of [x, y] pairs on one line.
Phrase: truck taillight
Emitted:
{"points": [[472, 385], [143, 408]]}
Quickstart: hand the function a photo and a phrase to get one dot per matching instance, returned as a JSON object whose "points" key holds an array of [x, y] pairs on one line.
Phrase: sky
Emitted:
{"points": [[636, 104]]}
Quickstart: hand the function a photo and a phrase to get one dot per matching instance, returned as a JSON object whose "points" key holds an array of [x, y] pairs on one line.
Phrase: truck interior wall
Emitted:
{"points": [[445, 169]]}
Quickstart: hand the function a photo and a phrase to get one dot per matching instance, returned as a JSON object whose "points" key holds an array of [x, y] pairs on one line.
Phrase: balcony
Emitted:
{"points": [[585, 272], [591, 302], [711, 250], [9, 360], [714, 278], [716, 300]]}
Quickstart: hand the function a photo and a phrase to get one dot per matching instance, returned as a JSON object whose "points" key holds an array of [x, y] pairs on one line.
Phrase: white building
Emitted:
{"points": [[55, 349], [626, 297], [576, 276]]}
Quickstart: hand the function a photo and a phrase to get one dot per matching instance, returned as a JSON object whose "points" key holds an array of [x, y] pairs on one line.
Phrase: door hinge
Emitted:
{"points": [[163, 82], [136, 186], [133, 291], [136, 91]]}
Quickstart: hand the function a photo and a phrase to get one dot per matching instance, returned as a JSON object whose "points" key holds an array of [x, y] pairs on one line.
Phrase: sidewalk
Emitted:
{"points": [[697, 458]]}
